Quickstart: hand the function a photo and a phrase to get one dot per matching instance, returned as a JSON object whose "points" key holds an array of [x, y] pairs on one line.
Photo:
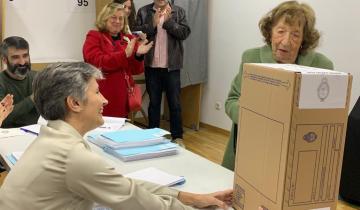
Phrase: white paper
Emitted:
{"points": [[301, 69], [10, 132], [17, 155], [112, 123], [156, 176], [323, 91], [34, 129], [327, 208]]}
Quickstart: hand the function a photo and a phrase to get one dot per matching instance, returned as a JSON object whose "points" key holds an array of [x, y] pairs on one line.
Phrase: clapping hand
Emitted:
{"points": [[144, 47], [156, 18], [167, 12], [6, 107], [130, 47]]}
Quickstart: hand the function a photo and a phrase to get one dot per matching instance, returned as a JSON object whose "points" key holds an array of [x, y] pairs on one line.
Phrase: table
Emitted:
{"points": [[202, 175]]}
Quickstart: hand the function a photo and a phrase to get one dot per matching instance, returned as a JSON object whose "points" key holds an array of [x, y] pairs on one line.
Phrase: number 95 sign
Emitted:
{"points": [[81, 6], [83, 3]]}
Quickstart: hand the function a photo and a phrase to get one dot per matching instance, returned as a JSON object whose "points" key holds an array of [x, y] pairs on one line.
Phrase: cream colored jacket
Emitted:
{"points": [[59, 171]]}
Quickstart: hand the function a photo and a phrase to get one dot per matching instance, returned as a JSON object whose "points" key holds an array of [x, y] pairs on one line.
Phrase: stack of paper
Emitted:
{"points": [[156, 176], [136, 144], [129, 138], [144, 152]]}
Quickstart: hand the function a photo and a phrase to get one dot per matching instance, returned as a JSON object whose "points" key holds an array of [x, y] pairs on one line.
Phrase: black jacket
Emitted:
{"points": [[350, 176], [177, 30]]}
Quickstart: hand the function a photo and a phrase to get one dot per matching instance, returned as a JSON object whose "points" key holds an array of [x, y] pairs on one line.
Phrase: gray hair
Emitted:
{"points": [[13, 41], [57, 82]]}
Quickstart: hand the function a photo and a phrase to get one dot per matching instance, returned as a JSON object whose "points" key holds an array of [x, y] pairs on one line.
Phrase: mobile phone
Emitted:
{"points": [[137, 33]]}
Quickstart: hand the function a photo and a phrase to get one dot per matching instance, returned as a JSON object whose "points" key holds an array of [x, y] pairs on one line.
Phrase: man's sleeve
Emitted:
{"points": [[141, 24], [232, 101], [178, 29]]}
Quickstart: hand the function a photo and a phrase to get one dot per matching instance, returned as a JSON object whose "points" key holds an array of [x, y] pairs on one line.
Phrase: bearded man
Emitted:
{"points": [[17, 80]]}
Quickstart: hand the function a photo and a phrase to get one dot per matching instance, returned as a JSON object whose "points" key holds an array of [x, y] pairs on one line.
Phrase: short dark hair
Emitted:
{"points": [[57, 82], [13, 41]]}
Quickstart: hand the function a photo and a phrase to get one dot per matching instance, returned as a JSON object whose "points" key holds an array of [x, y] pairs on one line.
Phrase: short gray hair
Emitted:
{"points": [[57, 82]]}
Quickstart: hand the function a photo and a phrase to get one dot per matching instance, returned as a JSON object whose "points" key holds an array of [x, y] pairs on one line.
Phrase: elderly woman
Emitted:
{"points": [[118, 54], [59, 171], [290, 36]]}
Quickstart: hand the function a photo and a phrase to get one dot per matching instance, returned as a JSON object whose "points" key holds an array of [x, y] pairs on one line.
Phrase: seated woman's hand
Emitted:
{"points": [[221, 199]]}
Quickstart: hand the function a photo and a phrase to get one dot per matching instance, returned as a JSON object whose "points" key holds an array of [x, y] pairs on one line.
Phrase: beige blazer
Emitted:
{"points": [[59, 171]]}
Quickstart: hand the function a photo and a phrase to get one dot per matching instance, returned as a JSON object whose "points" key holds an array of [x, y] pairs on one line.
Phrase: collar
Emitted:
{"points": [[302, 59], [60, 127]]}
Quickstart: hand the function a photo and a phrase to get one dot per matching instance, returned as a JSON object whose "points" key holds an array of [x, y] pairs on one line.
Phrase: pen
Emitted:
{"points": [[29, 131]]}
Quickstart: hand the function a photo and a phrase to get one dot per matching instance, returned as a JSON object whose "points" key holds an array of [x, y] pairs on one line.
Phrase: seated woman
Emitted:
{"points": [[117, 54], [59, 170], [290, 36]]}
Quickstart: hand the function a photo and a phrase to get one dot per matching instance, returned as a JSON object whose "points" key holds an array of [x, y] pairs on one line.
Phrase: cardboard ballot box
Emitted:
{"points": [[292, 126]]}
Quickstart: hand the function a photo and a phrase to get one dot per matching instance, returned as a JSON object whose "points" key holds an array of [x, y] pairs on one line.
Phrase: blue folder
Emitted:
{"points": [[135, 135], [145, 152]]}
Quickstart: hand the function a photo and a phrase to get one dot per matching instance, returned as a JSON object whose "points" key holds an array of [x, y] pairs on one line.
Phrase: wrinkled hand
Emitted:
{"points": [[167, 13], [144, 47], [6, 107], [130, 47], [156, 18], [221, 199]]}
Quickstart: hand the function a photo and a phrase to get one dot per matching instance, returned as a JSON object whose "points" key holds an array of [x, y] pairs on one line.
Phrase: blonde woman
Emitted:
{"points": [[117, 53]]}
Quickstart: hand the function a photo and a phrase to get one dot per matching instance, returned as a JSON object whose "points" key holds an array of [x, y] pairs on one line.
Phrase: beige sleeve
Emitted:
{"points": [[89, 176]]}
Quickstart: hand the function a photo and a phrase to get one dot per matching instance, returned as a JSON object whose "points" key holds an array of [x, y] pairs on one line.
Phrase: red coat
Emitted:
{"points": [[109, 56]]}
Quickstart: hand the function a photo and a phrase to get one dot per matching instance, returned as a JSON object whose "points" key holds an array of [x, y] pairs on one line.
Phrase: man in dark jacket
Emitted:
{"points": [[166, 25]]}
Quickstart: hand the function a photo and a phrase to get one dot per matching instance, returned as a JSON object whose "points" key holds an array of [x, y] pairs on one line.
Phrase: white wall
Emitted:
{"points": [[233, 29], [54, 29]]}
